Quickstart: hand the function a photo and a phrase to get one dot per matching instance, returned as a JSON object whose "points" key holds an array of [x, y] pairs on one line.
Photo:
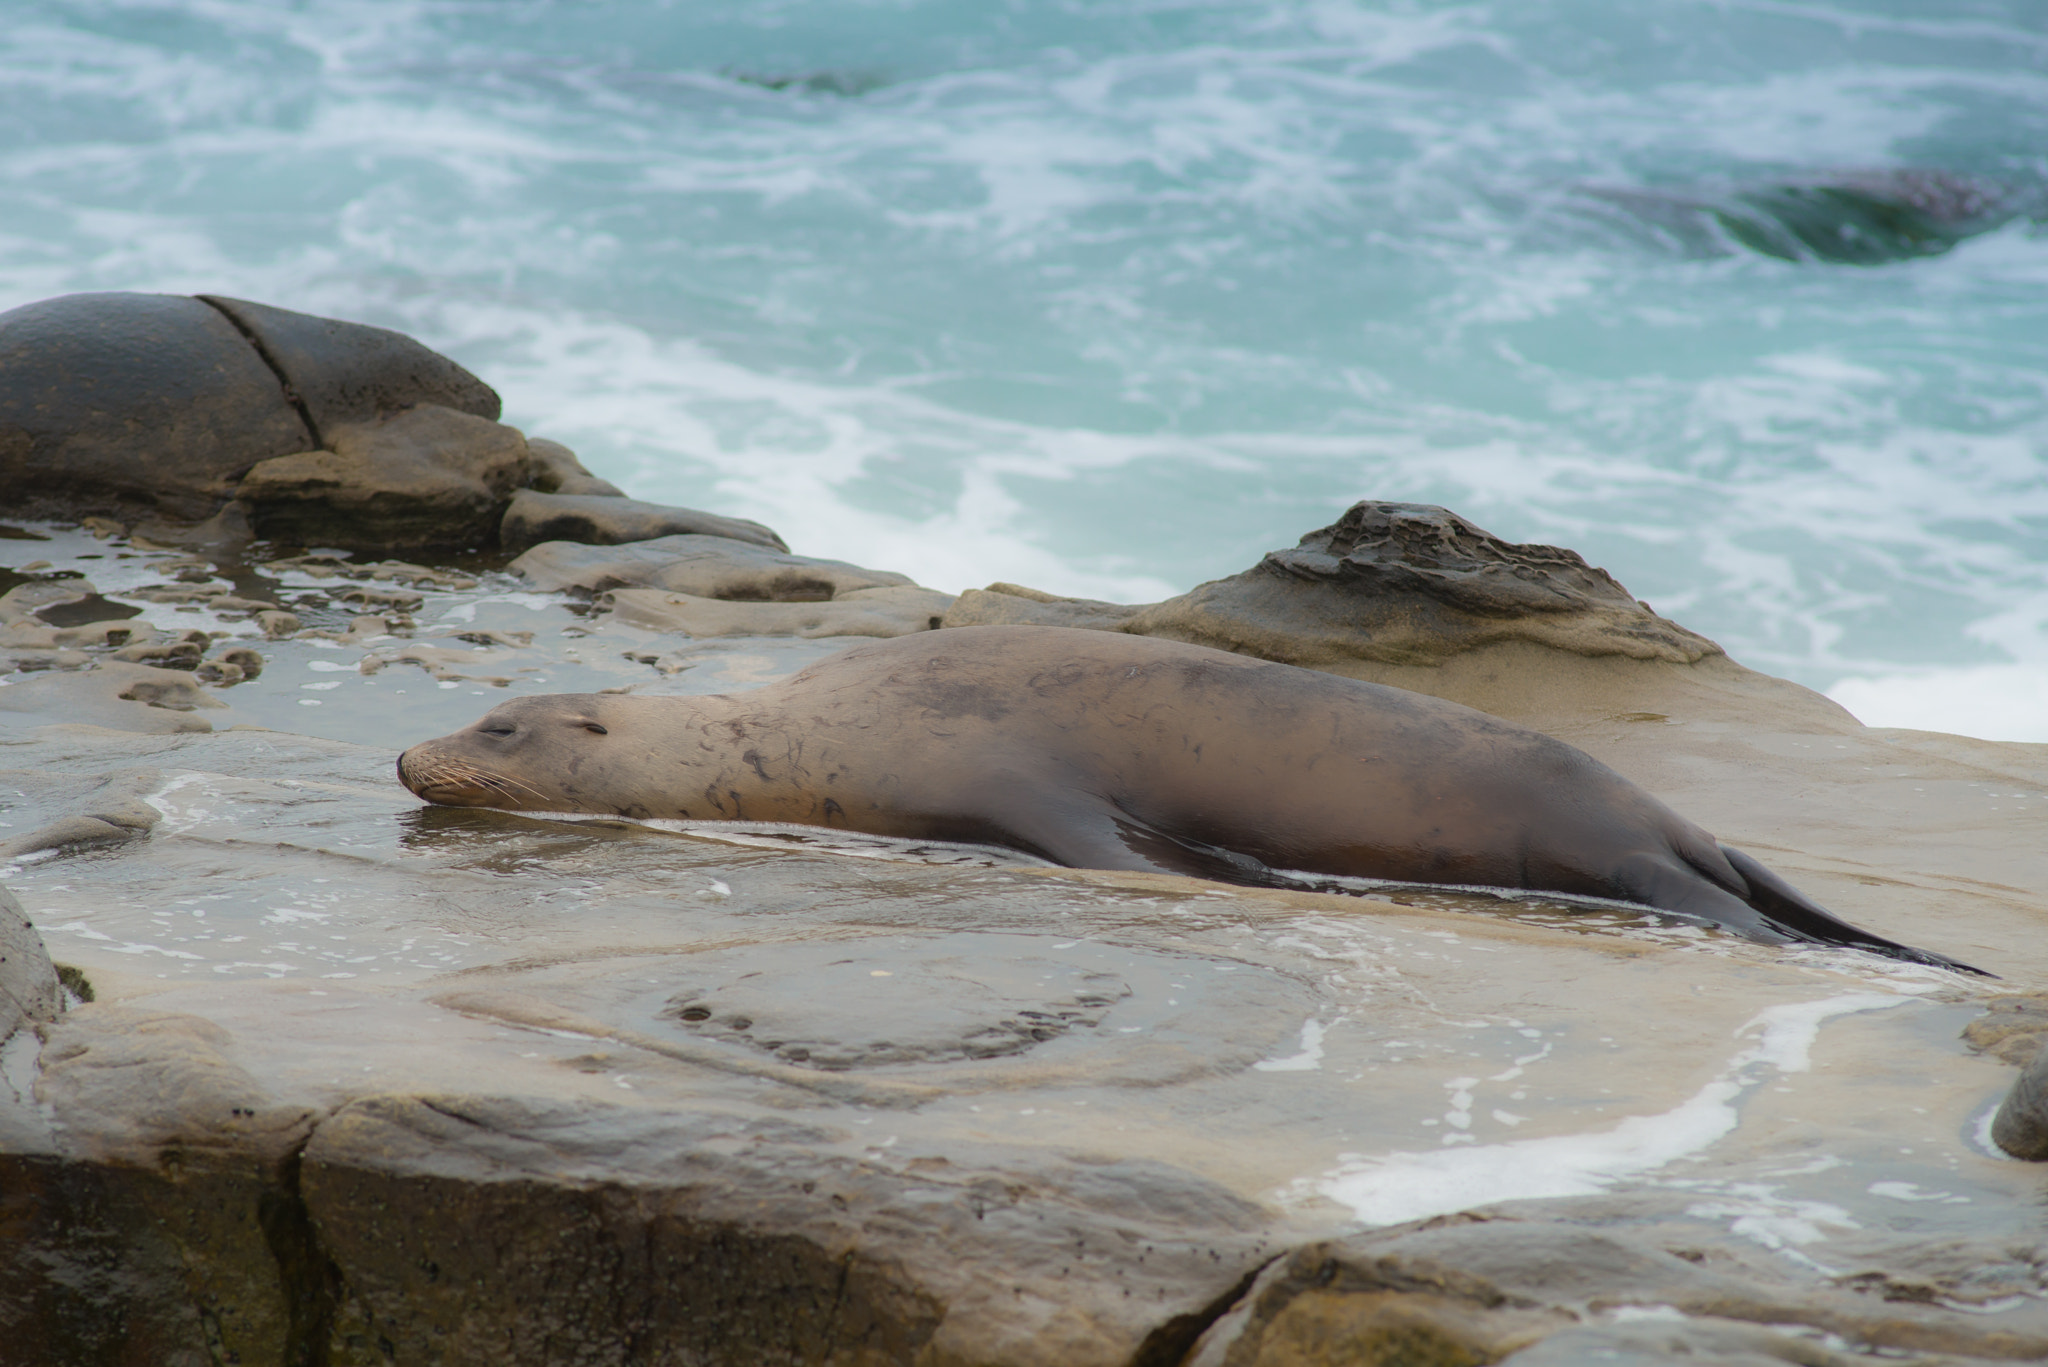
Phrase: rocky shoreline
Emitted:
{"points": [[332, 1078]]}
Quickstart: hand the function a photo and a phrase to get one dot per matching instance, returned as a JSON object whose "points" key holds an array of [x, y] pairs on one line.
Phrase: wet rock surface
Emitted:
{"points": [[368, 1081]]}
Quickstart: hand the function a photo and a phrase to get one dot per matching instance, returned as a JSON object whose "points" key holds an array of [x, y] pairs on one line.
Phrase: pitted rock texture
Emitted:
{"points": [[1412, 584], [1399, 584]]}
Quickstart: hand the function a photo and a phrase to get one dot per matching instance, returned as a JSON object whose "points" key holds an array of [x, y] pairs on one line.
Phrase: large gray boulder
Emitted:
{"points": [[119, 403], [339, 372]]}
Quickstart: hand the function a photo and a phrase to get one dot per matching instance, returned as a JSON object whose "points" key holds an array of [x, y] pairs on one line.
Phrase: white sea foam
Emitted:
{"points": [[1390, 1188], [1111, 299], [1995, 702]]}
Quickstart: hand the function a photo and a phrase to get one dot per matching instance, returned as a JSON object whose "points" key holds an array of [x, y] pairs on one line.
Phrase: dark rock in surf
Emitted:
{"points": [[598, 520], [1857, 218]]}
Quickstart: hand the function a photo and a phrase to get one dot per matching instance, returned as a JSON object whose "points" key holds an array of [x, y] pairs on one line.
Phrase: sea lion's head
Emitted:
{"points": [[540, 754]]}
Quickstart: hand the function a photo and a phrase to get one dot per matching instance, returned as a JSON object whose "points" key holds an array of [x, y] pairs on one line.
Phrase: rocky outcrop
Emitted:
{"points": [[258, 421], [1387, 583]]}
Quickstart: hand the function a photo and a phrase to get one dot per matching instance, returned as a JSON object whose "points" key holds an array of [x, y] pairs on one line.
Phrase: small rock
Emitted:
{"points": [[243, 658], [26, 602], [564, 474], [2011, 1028], [702, 566], [2021, 1125], [28, 981], [170, 653], [116, 811], [1006, 605], [277, 623], [897, 610], [609, 520]]}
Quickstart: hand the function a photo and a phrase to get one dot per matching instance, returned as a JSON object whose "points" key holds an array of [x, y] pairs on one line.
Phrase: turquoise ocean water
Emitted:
{"points": [[1748, 302]]}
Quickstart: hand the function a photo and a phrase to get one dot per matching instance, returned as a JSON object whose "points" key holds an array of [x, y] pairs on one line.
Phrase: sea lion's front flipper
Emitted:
{"points": [[1106, 837]]}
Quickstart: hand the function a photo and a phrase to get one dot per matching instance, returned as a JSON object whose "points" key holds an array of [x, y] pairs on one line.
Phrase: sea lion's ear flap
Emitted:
{"points": [[595, 729]]}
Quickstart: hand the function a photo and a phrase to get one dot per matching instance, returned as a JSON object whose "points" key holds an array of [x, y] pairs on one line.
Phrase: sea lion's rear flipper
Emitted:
{"points": [[1801, 918]]}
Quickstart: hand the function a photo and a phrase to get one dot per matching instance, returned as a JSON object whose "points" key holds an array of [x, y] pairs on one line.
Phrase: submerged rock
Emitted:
{"points": [[1857, 217]]}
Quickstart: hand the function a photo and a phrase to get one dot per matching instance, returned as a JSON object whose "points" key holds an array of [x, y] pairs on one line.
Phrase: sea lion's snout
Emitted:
{"points": [[435, 775], [509, 758]]}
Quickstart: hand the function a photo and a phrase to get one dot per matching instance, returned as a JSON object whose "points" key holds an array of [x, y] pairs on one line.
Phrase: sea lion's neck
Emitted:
{"points": [[742, 761]]}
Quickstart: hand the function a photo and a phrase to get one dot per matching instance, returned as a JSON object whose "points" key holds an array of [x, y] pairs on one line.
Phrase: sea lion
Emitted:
{"points": [[1106, 751]]}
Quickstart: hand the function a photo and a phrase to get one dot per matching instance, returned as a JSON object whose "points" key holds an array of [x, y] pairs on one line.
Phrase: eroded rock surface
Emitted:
{"points": [[426, 476], [1387, 583]]}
